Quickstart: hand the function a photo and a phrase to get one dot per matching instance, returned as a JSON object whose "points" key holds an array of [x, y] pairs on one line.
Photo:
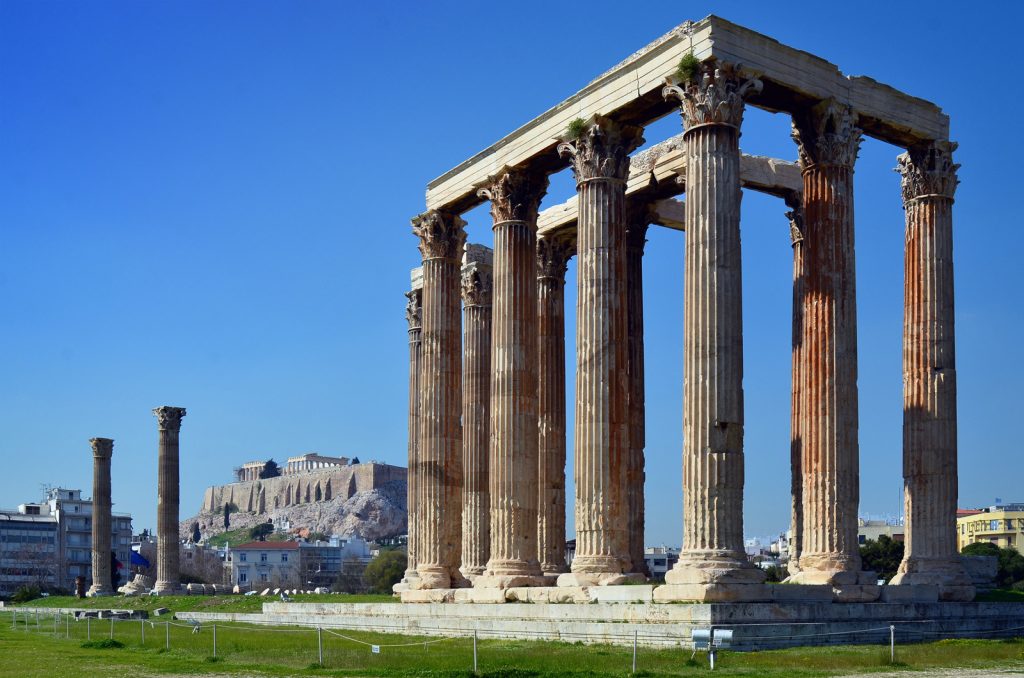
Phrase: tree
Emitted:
{"points": [[227, 516], [385, 571], [261, 532], [1010, 570], [270, 470], [351, 578], [882, 556], [145, 535], [196, 536]]}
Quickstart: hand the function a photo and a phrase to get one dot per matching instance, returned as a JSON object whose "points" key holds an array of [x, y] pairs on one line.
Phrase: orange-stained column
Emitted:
{"points": [[439, 464], [515, 196], [929, 374], [600, 162], [828, 142], [477, 295], [638, 216], [552, 258], [796, 237], [713, 556]]}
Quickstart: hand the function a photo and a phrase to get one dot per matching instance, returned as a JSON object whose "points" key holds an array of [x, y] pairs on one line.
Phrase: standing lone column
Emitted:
{"points": [[552, 258], [929, 374], [637, 219], [796, 236], [413, 315], [712, 107], [828, 142], [439, 467], [168, 580], [515, 196], [102, 451], [476, 409], [600, 163]]}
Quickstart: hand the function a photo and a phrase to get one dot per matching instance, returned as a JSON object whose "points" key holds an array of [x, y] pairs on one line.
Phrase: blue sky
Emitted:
{"points": [[207, 205]]}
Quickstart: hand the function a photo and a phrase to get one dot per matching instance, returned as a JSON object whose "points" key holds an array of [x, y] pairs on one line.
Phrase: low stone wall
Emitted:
{"points": [[755, 626]]}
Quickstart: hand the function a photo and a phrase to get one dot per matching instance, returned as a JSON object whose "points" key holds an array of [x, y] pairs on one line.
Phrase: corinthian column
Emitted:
{"points": [[413, 315], [929, 374], [713, 555], [796, 236], [168, 580], [638, 217], [600, 163], [828, 142], [439, 466], [476, 409], [552, 258], [102, 450], [515, 196]]}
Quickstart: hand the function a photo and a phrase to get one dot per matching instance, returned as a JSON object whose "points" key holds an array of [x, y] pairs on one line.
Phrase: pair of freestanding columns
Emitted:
{"points": [[168, 580]]}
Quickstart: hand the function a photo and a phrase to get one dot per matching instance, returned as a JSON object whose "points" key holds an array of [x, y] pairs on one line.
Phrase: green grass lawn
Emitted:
{"points": [[1000, 596], [232, 603], [52, 648]]}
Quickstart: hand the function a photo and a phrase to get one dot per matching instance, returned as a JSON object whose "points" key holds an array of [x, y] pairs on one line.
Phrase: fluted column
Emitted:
{"points": [[102, 451], [929, 374], [413, 315], [552, 258], [439, 467], [638, 217], [515, 196], [712, 110], [600, 163], [477, 287], [828, 142], [796, 236], [168, 580]]}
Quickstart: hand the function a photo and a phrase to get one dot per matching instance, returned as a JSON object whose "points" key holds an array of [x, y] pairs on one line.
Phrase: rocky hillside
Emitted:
{"points": [[370, 514]]}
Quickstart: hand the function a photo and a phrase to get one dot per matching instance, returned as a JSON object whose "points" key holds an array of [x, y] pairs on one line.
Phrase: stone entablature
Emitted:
{"points": [[312, 462]]}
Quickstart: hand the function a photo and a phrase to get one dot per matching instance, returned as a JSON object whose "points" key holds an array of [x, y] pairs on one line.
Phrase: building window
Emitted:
{"points": [[263, 557], [861, 538], [243, 577], [284, 557], [993, 525], [264, 576], [242, 557]]}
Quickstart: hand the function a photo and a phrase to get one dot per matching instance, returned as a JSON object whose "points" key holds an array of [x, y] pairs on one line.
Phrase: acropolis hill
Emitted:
{"points": [[323, 494]]}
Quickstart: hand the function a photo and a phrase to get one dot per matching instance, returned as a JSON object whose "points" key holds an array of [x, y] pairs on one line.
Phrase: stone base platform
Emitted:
{"points": [[755, 626]]}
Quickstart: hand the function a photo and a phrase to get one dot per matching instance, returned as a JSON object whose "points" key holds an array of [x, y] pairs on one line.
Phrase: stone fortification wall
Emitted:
{"points": [[266, 496]]}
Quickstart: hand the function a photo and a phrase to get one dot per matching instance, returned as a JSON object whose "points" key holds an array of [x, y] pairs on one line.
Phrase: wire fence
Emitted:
{"points": [[660, 647]]}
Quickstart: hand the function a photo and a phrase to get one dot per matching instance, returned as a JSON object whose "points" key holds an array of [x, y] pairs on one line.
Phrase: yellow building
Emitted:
{"points": [[1002, 525]]}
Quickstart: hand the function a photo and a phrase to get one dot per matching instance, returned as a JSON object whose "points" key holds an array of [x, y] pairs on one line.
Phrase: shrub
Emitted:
{"points": [[26, 593], [385, 571], [576, 129], [689, 68], [105, 644]]}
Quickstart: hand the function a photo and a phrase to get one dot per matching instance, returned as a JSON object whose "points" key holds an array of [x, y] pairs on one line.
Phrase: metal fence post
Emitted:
{"points": [[67, 626], [634, 650], [88, 628], [111, 628], [142, 627], [892, 643], [319, 646], [215, 640], [54, 624], [474, 651], [167, 635]]}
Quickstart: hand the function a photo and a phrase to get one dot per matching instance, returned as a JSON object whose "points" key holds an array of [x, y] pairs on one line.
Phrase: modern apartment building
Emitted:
{"points": [[1000, 524]]}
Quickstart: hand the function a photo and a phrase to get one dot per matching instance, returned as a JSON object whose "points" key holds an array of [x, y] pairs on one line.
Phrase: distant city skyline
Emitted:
{"points": [[208, 206]]}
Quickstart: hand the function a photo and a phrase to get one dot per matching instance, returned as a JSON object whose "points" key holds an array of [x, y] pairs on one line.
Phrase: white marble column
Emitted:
{"points": [[713, 564], [439, 466], [413, 316], [929, 375], [168, 581], [638, 217], [477, 296], [552, 257], [600, 162], [515, 196], [102, 451], [796, 237]]}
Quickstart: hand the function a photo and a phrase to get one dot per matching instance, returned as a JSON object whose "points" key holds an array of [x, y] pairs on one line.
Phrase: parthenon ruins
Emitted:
{"points": [[487, 411]]}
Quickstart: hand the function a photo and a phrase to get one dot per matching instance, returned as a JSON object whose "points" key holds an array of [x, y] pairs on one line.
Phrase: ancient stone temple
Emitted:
{"points": [[499, 515]]}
